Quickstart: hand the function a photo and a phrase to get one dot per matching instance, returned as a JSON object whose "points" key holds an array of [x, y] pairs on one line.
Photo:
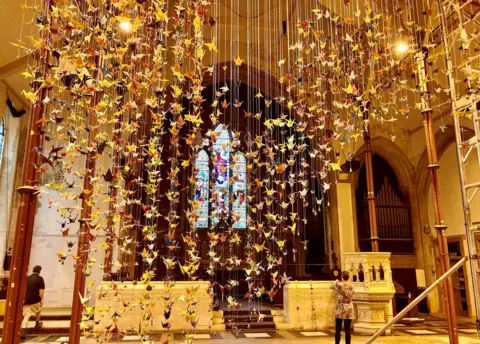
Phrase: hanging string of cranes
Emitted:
{"points": [[171, 118]]}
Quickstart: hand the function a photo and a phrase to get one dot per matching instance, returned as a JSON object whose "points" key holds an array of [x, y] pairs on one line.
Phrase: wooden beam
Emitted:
{"points": [[24, 228], [372, 212], [13, 67], [84, 236], [433, 166]]}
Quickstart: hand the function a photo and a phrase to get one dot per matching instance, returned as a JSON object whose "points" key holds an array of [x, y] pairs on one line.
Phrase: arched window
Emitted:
{"points": [[202, 172], [221, 169], [239, 189], [229, 185], [2, 138]]}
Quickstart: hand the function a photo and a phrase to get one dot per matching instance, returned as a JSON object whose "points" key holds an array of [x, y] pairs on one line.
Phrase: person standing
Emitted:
{"points": [[33, 300], [344, 313]]}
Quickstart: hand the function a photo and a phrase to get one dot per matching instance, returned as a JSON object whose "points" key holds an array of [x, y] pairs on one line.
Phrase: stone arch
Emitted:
{"points": [[269, 84], [405, 173], [395, 157], [443, 140]]}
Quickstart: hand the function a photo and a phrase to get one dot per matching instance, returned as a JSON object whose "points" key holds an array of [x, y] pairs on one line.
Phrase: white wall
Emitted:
{"points": [[452, 201], [7, 178], [451, 194], [47, 241]]}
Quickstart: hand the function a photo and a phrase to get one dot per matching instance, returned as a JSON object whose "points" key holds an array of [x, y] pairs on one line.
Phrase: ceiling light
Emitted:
{"points": [[125, 26], [402, 47]]}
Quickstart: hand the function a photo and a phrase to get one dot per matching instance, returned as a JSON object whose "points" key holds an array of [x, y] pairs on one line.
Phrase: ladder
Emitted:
{"points": [[470, 185], [465, 110]]}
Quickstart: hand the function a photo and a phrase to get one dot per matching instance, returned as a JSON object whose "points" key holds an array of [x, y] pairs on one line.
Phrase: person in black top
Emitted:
{"points": [[33, 299]]}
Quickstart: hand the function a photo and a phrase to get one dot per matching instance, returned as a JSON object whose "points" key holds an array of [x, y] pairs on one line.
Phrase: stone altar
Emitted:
{"points": [[124, 300], [309, 305]]}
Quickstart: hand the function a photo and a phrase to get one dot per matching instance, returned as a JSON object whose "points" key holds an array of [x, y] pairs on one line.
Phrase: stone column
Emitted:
{"points": [[345, 214]]}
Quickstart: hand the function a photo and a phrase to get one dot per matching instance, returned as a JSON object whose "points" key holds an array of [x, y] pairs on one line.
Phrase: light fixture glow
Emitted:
{"points": [[402, 47], [125, 26]]}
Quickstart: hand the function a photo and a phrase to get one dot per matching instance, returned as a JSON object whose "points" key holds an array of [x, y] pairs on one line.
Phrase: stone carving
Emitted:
{"points": [[374, 293]]}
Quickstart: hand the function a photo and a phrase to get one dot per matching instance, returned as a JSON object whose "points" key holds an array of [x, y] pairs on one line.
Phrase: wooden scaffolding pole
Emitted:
{"points": [[23, 232], [26, 213], [85, 219], [372, 213], [433, 166], [110, 233]]}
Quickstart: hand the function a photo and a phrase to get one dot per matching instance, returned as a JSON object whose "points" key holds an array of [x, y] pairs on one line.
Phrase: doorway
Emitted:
{"points": [[459, 278]]}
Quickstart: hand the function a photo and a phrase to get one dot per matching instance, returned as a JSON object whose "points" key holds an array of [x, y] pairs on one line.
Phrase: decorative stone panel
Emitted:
{"points": [[309, 305], [125, 301], [371, 276]]}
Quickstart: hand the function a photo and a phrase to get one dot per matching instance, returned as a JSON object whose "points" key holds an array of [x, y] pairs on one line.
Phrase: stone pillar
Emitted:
{"points": [[345, 214]]}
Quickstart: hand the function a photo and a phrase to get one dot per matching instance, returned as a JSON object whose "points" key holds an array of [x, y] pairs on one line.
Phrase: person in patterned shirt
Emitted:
{"points": [[344, 309]]}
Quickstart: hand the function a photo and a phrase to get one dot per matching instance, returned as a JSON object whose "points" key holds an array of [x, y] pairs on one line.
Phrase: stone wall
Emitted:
{"points": [[47, 241], [10, 172]]}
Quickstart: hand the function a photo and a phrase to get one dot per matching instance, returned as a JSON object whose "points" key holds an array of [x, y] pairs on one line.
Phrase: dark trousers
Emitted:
{"points": [[338, 330]]}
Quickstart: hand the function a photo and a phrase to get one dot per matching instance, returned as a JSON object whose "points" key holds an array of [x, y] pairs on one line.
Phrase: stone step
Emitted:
{"points": [[245, 312], [60, 327], [279, 316], [251, 326], [49, 327], [245, 318], [279, 319], [218, 321], [217, 314], [218, 327], [53, 314], [277, 312]]}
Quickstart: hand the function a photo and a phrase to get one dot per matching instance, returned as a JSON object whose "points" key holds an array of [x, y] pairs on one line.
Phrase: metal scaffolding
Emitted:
{"points": [[458, 24]]}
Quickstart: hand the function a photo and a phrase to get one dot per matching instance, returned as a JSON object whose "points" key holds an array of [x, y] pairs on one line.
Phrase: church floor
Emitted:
{"points": [[432, 331], [278, 337]]}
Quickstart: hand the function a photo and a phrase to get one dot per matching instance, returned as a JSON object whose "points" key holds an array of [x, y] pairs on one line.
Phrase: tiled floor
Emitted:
{"points": [[431, 331], [278, 337]]}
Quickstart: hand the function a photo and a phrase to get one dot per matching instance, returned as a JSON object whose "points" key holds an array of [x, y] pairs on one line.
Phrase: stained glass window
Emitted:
{"points": [[2, 138], [202, 171], [230, 178], [239, 190], [221, 168]]}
